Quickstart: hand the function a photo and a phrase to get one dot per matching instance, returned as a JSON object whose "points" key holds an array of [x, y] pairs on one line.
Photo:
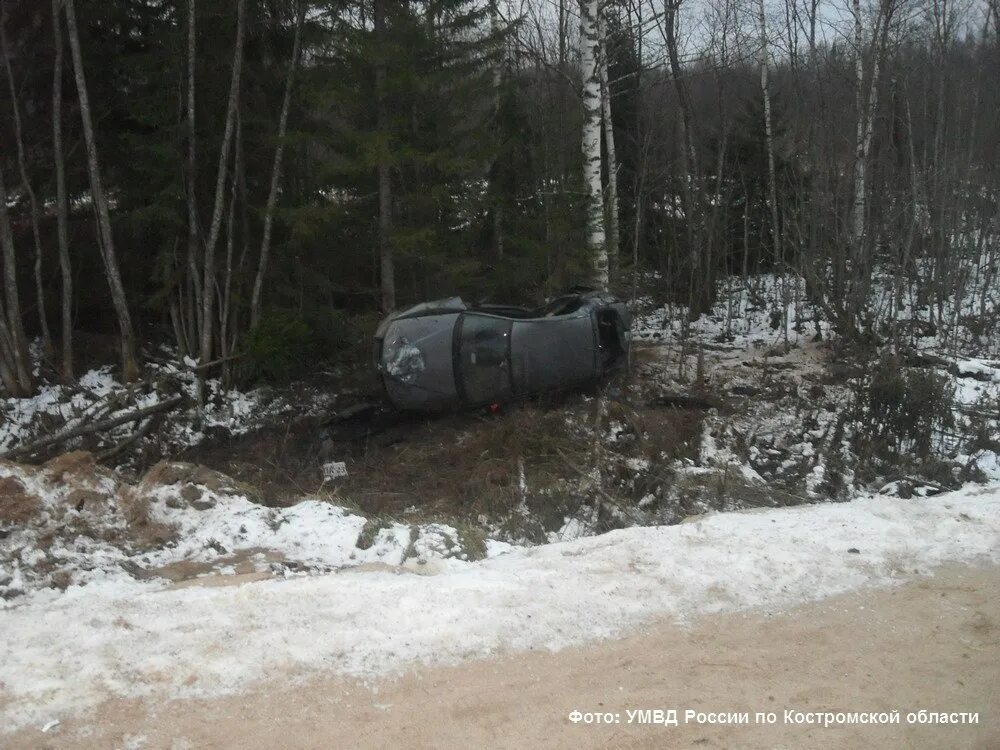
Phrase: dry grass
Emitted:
{"points": [[17, 505], [142, 527], [462, 466]]}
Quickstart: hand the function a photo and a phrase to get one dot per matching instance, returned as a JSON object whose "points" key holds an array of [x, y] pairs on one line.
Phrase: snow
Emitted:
{"points": [[91, 544], [64, 653], [98, 394]]}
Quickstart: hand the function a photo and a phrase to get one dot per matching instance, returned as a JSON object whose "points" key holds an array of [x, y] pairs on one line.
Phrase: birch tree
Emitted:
{"points": [[609, 148], [765, 88], [130, 363], [272, 196], [590, 58]]}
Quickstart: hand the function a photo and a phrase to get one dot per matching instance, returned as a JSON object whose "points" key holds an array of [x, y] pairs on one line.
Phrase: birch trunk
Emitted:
{"points": [[590, 55], [62, 210], [386, 262], [858, 206], [22, 166], [772, 180], [279, 151], [208, 271], [15, 343], [866, 107], [130, 364], [609, 149]]}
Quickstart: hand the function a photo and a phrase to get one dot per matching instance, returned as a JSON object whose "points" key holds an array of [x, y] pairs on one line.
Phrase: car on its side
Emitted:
{"points": [[446, 354]]}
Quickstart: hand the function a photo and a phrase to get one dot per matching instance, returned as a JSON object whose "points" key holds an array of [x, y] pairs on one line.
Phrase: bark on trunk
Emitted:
{"points": [[208, 271], [772, 180], [590, 55], [386, 261], [15, 343], [130, 364], [609, 149], [22, 166], [62, 210], [279, 152], [192, 165]]}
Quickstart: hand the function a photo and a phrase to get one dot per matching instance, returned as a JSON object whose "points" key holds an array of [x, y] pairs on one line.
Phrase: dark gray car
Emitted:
{"points": [[446, 354]]}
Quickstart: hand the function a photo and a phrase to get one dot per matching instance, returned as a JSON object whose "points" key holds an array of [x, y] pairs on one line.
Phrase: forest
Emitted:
{"points": [[252, 182], [540, 363]]}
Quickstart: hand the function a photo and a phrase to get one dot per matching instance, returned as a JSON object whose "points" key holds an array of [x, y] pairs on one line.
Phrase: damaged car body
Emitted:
{"points": [[449, 355]]}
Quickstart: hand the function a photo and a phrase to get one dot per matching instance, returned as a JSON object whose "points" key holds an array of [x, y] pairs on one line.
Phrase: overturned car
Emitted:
{"points": [[447, 354]]}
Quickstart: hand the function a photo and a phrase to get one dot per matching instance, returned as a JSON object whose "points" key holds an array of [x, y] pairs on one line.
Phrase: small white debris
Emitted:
{"points": [[50, 725], [334, 470]]}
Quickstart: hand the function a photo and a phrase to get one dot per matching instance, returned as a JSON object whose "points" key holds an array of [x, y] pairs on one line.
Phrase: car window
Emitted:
{"points": [[484, 368]]}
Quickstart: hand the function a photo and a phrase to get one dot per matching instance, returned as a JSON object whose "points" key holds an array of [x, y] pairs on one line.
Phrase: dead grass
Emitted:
{"points": [[17, 505], [142, 527]]}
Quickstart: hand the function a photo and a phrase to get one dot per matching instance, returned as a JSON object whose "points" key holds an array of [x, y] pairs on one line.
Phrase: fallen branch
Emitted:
{"points": [[90, 429], [130, 440], [923, 359]]}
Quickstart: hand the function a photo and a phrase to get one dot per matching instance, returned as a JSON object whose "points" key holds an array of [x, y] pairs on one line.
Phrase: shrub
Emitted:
{"points": [[278, 349], [900, 410]]}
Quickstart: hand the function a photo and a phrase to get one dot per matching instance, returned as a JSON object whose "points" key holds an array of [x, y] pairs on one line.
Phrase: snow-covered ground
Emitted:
{"points": [[99, 395], [61, 654]]}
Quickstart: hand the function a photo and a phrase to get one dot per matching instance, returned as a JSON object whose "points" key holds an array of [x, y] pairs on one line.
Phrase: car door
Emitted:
{"points": [[483, 359]]}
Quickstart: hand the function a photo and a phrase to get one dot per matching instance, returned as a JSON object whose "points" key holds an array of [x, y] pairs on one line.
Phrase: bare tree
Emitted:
{"points": [[772, 179], [609, 148], [130, 363], [192, 179], [272, 196], [13, 343], [208, 272], [386, 263], [62, 211], [590, 59], [22, 166]]}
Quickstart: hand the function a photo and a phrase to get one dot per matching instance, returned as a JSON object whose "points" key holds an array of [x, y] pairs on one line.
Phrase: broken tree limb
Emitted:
{"points": [[94, 427], [115, 450], [925, 359]]}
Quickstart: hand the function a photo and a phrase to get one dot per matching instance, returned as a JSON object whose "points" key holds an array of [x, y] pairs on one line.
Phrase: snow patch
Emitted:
{"points": [[66, 653]]}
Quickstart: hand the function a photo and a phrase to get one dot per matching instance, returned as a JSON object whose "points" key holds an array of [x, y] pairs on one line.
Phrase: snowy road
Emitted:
{"points": [[61, 654]]}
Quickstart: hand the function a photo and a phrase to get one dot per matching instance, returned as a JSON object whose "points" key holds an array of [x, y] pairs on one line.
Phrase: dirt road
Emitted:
{"points": [[931, 644]]}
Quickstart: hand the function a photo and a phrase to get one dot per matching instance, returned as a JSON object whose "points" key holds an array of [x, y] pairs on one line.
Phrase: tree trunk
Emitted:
{"points": [[609, 149], [772, 179], [62, 210], [858, 206], [192, 169], [279, 151], [386, 261], [590, 55], [130, 364], [15, 343], [208, 271], [22, 165], [497, 71]]}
